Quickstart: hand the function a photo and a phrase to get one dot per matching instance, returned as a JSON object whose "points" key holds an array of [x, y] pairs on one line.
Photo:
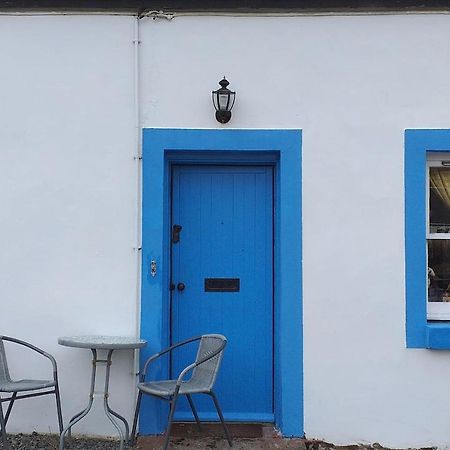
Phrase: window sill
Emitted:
{"points": [[437, 336]]}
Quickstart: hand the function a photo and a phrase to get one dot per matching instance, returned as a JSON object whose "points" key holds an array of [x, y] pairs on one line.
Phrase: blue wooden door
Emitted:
{"points": [[223, 256]]}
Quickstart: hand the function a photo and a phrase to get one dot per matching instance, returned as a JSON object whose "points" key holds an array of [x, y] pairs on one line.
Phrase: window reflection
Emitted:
{"points": [[438, 270], [439, 223], [439, 206]]}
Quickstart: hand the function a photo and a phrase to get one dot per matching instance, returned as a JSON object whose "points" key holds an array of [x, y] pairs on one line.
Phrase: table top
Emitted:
{"points": [[100, 341]]}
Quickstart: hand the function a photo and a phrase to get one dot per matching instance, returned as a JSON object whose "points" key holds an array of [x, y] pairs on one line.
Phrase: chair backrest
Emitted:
{"points": [[205, 374], [4, 372]]}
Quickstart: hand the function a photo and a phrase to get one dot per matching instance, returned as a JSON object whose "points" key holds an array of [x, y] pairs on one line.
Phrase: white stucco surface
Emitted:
{"points": [[68, 192], [353, 84]]}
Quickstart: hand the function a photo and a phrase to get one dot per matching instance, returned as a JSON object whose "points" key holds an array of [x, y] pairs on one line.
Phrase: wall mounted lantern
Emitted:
{"points": [[223, 100]]}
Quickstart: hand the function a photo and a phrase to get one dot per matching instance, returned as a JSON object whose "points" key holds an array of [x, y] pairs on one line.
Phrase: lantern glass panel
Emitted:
{"points": [[223, 101], [231, 103]]}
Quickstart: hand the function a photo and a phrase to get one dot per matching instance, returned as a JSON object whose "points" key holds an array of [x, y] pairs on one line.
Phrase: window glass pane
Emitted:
{"points": [[438, 270], [439, 200]]}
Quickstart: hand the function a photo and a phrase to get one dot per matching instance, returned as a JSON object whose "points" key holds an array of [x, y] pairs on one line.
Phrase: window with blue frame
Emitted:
{"points": [[438, 236], [427, 238]]}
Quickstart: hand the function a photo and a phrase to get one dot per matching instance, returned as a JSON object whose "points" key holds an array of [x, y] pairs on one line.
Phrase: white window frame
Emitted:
{"points": [[435, 310]]}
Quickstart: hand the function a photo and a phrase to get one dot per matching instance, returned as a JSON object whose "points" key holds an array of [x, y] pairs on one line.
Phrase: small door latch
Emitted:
{"points": [[176, 229], [153, 268]]}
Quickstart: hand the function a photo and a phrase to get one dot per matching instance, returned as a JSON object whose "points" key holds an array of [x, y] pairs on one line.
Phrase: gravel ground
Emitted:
{"points": [[37, 441]]}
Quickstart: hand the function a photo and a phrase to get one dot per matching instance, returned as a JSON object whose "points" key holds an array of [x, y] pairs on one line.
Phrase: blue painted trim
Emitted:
{"points": [[419, 332], [161, 147], [438, 336]]}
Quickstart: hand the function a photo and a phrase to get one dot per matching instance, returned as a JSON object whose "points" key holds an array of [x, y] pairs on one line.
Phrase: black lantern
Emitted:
{"points": [[223, 100]]}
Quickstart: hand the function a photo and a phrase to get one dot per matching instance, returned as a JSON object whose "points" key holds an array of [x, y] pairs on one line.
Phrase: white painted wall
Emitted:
{"points": [[353, 84], [67, 188], [67, 195]]}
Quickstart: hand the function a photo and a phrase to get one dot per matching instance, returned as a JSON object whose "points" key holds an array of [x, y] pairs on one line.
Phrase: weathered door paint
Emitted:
{"points": [[226, 215]]}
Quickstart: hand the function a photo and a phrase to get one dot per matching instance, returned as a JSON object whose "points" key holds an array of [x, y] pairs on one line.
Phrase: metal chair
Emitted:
{"points": [[42, 387], [204, 372]]}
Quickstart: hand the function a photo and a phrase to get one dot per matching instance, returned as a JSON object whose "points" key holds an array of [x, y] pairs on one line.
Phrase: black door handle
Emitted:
{"points": [[176, 229], [181, 286]]}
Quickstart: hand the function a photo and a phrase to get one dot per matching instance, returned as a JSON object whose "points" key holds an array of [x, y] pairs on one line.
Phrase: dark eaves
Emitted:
{"points": [[239, 6]]}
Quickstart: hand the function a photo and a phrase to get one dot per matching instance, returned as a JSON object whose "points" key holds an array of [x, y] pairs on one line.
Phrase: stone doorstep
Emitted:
{"points": [[245, 436], [156, 443]]}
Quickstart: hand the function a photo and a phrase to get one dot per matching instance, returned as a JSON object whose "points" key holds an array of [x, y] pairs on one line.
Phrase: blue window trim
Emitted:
{"points": [[282, 148], [419, 332]]}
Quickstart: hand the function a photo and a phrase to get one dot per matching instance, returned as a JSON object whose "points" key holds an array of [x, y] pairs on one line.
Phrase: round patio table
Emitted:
{"points": [[94, 343]]}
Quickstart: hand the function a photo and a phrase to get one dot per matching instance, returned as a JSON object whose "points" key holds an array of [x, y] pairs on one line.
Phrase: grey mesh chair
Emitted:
{"points": [[204, 372], [39, 387]]}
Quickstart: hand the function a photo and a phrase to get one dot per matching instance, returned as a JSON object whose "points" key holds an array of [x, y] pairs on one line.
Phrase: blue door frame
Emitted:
{"points": [[282, 148]]}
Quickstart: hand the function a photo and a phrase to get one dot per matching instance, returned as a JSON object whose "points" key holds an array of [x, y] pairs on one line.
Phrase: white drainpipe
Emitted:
{"points": [[138, 161]]}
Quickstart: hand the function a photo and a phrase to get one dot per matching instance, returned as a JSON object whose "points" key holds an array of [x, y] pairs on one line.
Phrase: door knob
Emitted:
{"points": [[181, 286]]}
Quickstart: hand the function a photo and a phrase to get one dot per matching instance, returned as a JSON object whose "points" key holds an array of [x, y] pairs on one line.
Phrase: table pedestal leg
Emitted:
{"points": [[108, 411]]}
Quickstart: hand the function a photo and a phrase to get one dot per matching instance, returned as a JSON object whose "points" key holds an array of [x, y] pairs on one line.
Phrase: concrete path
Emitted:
{"points": [[245, 436], [187, 437]]}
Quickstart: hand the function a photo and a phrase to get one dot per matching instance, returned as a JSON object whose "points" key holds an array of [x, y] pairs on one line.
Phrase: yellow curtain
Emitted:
{"points": [[440, 183]]}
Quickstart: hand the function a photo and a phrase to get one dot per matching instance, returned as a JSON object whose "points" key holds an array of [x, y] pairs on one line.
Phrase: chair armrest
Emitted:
{"points": [[163, 352], [184, 372], [147, 363], [36, 349]]}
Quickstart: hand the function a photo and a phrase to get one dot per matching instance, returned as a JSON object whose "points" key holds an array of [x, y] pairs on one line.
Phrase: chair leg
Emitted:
{"points": [[10, 405], [194, 411], [3, 429], [135, 419], [173, 404], [58, 409], [219, 411]]}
